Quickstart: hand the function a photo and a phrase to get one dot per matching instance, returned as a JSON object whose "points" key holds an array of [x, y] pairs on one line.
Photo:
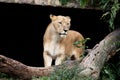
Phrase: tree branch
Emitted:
{"points": [[94, 61], [20, 70]]}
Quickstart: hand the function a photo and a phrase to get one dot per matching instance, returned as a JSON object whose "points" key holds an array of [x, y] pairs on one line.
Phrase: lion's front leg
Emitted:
{"points": [[59, 59], [47, 59]]}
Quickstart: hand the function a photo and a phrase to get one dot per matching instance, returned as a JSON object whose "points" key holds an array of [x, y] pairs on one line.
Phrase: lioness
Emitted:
{"points": [[58, 41]]}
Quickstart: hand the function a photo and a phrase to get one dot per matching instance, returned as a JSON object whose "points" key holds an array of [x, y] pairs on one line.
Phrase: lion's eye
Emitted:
{"points": [[60, 22], [68, 23]]}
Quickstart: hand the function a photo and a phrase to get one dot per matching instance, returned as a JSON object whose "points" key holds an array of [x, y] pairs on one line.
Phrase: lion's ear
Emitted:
{"points": [[68, 18], [52, 17]]}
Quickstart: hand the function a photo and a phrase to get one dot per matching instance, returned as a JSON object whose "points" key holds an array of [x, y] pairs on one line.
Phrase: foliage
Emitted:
{"points": [[83, 3], [65, 74], [64, 2], [4, 76], [62, 74], [82, 42], [110, 71], [111, 7]]}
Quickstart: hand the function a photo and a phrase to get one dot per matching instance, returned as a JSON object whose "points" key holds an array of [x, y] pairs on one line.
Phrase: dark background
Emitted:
{"points": [[22, 27]]}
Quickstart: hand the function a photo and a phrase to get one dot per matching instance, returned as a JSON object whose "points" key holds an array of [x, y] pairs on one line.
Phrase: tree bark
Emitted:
{"points": [[15, 68], [91, 64], [94, 61]]}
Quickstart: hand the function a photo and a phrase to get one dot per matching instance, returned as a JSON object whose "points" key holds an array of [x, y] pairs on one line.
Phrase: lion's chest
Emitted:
{"points": [[54, 48]]}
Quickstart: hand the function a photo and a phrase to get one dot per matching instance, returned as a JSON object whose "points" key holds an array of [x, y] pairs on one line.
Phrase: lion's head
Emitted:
{"points": [[61, 24]]}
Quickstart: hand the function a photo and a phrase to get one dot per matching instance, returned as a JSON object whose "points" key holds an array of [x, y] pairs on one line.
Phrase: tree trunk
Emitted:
{"points": [[94, 61], [91, 64], [20, 70]]}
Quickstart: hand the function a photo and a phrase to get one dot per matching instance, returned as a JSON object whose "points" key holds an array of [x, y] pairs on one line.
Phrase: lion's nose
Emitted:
{"points": [[65, 30]]}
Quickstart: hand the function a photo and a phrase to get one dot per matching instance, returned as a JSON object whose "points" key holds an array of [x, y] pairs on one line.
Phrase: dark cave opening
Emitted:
{"points": [[22, 27]]}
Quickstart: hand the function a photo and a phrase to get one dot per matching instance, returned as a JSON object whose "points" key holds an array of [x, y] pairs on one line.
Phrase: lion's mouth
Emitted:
{"points": [[63, 34]]}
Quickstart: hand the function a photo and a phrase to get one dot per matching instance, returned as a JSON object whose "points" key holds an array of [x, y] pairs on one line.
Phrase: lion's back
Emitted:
{"points": [[68, 42]]}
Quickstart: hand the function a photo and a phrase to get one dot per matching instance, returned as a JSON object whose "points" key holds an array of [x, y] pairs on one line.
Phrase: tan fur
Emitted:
{"points": [[58, 41]]}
